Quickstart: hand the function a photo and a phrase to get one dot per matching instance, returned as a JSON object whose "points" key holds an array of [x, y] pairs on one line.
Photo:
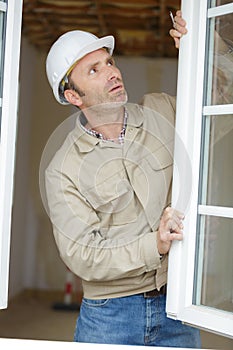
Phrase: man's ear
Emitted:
{"points": [[73, 97]]}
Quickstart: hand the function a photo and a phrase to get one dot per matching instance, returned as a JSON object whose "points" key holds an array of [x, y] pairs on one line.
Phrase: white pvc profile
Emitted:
{"points": [[225, 212], [220, 10], [218, 109], [8, 138], [189, 103], [181, 270]]}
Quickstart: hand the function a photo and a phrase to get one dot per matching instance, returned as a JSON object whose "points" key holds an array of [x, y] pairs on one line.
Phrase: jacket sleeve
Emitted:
{"points": [[161, 102], [83, 246]]}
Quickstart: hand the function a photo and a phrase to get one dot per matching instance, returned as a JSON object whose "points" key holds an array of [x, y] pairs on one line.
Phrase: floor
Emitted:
{"points": [[34, 317]]}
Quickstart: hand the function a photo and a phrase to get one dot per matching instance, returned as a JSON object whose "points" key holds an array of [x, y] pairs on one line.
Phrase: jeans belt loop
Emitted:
{"points": [[155, 292]]}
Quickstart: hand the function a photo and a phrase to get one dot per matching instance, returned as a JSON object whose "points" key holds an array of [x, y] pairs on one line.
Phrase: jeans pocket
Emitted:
{"points": [[94, 302]]}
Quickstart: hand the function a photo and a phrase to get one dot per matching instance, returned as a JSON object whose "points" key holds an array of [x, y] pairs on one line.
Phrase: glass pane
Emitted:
{"points": [[2, 33], [220, 70], [217, 163], [1, 47], [214, 280], [214, 3]]}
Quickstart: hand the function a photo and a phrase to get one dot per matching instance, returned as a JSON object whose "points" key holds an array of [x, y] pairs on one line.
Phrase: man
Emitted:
{"points": [[108, 190]]}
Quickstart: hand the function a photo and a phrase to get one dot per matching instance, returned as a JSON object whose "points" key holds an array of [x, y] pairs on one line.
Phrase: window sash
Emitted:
{"points": [[8, 135], [191, 75]]}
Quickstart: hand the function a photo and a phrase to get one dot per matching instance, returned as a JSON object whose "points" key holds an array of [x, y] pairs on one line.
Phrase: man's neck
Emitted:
{"points": [[108, 122]]}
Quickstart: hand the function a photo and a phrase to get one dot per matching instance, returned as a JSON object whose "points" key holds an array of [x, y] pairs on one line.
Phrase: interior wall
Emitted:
{"points": [[144, 75], [33, 252], [19, 234]]}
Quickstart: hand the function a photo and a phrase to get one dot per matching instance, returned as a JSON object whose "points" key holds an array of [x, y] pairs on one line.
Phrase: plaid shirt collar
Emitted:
{"points": [[100, 136]]}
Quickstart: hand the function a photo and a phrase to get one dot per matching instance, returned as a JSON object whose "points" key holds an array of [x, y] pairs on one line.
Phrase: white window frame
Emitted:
{"points": [[188, 129], [9, 101]]}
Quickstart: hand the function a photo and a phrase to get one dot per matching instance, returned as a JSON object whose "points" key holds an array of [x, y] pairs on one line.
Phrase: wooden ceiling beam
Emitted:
{"points": [[64, 3], [132, 3], [140, 26], [100, 16]]}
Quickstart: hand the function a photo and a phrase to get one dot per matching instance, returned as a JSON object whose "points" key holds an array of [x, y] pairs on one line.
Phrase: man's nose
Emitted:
{"points": [[112, 73]]}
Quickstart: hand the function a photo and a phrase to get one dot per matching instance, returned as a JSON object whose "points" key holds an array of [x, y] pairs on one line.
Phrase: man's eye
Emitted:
{"points": [[110, 63], [93, 71]]}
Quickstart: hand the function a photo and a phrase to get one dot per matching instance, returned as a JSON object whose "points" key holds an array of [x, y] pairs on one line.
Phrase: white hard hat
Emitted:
{"points": [[69, 48]]}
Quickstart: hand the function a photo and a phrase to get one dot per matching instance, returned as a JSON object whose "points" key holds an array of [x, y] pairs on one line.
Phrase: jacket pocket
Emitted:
{"points": [[159, 159], [154, 192], [113, 200]]}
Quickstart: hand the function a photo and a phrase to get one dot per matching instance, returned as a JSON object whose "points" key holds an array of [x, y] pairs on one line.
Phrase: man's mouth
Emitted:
{"points": [[116, 87]]}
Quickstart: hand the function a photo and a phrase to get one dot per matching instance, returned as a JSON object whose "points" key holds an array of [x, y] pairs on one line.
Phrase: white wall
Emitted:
{"points": [[143, 75], [21, 192], [28, 228]]}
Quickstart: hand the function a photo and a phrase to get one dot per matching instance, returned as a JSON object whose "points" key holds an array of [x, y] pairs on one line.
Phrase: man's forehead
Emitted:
{"points": [[102, 52], [94, 55], [92, 58]]}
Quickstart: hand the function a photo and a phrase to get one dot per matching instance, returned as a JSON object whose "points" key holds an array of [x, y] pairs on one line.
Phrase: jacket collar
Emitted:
{"points": [[86, 143], [135, 115]]}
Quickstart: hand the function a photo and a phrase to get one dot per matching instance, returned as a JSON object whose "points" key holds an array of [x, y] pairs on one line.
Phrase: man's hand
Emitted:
{"points": [[179, 28], [170, 229]]}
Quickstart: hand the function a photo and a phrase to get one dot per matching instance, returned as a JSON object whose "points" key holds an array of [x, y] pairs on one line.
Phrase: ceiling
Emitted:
{"points": [[140, 27]]}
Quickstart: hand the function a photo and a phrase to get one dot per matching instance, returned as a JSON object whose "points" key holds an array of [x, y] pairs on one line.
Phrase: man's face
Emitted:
{"points": [[99, 79]]}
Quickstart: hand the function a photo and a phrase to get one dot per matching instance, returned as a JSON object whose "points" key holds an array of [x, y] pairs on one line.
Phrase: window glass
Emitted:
{"points": [[2, 35], [214, 259], [217, 165], [200, 278], [214, 282], [214, 3], [220, 72], [10, 33]]}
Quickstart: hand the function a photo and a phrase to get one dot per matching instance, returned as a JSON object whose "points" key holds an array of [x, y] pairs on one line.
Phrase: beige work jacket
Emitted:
{"points": [[106, 199]]}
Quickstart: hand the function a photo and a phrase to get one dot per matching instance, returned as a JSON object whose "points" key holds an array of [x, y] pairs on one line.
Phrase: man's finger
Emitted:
{"points": [[175, 227], [174, 33], [176, 237], [180, 29], [180, 21], [170, 212]]}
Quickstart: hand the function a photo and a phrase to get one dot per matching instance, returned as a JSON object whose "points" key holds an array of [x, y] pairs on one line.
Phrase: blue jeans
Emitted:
{"points": [[132, 320]]}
